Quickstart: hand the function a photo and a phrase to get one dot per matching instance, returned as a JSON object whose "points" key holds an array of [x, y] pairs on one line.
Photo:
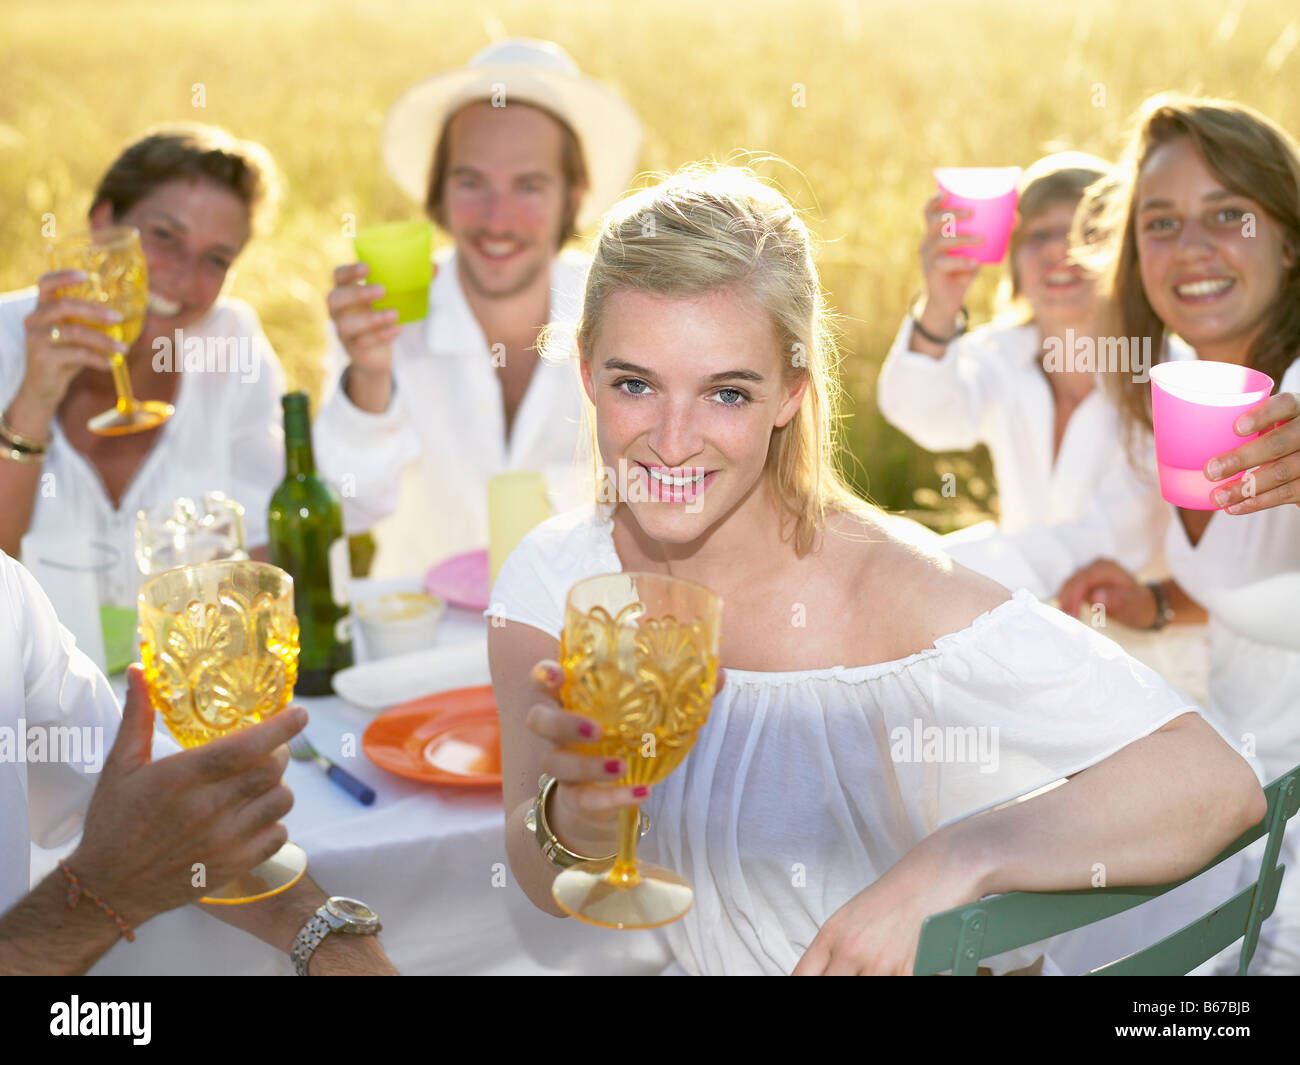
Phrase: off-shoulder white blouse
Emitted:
{"points": [[804, 787]]}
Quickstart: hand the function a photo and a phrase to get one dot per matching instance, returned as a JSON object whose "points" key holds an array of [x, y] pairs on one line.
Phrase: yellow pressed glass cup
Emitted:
{"points": [[219, 644], [640, 657]]}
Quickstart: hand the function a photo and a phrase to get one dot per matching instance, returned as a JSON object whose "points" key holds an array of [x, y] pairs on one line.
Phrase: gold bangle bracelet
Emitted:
{"points": [[18, 454], [552, 849], [26, 443]]}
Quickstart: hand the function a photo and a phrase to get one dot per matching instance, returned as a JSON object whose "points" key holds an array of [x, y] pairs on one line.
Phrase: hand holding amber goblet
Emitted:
{"points": [[219, 644], [640, 657], [118, 277]]}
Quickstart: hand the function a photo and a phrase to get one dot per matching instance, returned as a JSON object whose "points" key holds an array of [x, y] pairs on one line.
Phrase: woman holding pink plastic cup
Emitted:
{"points": [[1204, 244], [1195, 405], [1022, 385]]}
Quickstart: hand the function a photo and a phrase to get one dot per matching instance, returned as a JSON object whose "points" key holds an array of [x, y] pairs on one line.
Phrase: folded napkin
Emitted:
{"points": [[389, 681]]}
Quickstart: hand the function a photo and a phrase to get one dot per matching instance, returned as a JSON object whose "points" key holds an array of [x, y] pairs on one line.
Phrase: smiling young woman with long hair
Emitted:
{"points": [[703, 350], [1206, 244]]}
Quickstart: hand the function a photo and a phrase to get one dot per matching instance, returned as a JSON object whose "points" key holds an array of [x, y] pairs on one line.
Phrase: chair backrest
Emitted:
{"points": [[956, 940]]}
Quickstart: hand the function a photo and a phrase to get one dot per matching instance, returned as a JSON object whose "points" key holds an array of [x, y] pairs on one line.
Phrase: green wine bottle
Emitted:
{"points": [[307, 542]]}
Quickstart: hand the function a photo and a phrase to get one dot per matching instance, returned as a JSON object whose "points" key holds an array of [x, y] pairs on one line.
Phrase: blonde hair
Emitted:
{"points": [[1253, 157], [711, 228]]}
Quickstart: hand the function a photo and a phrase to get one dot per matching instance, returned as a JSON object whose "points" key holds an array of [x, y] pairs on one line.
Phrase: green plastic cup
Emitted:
{"points": [[400, 257]]}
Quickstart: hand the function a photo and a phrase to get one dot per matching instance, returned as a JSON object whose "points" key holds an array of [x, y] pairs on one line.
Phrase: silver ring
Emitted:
{"points": [[55, 334]]}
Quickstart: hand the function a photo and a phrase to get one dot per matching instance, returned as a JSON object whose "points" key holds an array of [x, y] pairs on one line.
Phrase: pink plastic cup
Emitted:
{"points": [[989, 193], [1194, 404]]}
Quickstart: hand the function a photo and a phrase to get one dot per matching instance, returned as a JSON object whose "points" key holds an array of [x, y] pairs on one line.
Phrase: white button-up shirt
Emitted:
{"points": [[58, 719], [417, 473], [1056, 516], [225, 436]]}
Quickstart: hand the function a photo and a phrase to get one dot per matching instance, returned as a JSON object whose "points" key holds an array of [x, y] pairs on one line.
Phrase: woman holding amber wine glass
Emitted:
{"points": [[815, 834], [192, 193], [1206, 244]]}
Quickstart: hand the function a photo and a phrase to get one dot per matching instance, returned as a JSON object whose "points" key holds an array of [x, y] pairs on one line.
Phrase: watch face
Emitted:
{"points": [[351, 910]]}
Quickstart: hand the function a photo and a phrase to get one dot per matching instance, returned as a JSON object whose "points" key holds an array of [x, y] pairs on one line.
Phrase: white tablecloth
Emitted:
{"points": [[430, 860]]}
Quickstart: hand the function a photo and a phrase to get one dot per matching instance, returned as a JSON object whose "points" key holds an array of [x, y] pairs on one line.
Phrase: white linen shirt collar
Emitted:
{"points": [[416, 474]]}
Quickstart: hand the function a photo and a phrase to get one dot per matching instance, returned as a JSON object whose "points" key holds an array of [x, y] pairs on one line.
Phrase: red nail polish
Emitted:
{"points": [[640, 792], [587, 729], [612, 766]]}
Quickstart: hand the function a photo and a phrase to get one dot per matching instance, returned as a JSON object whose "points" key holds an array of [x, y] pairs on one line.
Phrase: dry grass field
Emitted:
{"points": [[860, 98]]}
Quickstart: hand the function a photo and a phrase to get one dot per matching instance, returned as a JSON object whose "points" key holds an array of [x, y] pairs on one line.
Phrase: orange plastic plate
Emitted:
{"points": [[451, 738]]}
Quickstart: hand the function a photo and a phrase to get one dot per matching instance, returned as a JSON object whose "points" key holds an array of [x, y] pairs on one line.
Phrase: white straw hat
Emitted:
{"points": [[518, 70]]}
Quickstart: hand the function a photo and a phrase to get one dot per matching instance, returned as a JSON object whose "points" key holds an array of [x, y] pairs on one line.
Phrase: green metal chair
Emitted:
{"points": [[958, 939]]}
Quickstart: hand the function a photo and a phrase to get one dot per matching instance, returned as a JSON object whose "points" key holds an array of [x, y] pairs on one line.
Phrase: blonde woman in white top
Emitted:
{"points": [[686, 339]]}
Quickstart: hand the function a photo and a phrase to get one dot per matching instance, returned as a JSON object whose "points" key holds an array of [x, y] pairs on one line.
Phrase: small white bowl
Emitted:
{"points": [[400, 623]]}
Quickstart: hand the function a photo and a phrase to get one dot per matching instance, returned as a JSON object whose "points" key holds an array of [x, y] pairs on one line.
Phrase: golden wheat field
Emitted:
{"points": [[860, 98]]}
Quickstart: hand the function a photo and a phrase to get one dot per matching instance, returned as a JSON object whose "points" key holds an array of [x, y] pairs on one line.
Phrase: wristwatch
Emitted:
{"points": [[1164, 612], [337, 914]]}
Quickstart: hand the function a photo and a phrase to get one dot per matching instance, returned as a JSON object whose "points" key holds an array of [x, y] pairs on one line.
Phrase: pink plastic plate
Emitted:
{"points": [[461, 580]]}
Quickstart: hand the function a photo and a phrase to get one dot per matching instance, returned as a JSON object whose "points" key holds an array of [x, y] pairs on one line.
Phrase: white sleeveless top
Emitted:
{"points": [[804, 787]]}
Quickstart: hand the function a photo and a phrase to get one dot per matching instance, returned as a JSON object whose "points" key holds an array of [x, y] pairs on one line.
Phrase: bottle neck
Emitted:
{"points": [[298, 458]]}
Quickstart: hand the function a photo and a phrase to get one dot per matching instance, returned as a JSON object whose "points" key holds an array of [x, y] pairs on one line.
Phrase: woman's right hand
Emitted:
{"points": [[583, 810], [367, 335], [59, 348], [947, 277]]}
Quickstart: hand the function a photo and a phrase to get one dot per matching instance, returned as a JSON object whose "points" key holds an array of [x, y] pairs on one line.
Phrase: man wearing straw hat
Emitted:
{"points": [[510, 156]]}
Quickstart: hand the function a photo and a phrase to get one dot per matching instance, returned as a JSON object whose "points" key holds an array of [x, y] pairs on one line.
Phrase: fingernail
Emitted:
{"points": [[1235, 508], [612, 767], [640, 792], [541, 673], [587, 729], [113, 316], [1241, 426], [1221, 497], [1214, 471]]}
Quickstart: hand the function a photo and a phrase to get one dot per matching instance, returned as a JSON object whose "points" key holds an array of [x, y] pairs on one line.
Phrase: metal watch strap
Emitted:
{"points": [[310, 936], [337, 914]]}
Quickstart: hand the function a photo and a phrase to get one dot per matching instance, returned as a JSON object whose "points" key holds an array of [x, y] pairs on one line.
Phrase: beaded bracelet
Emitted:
{"points": [[75, 891]]}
